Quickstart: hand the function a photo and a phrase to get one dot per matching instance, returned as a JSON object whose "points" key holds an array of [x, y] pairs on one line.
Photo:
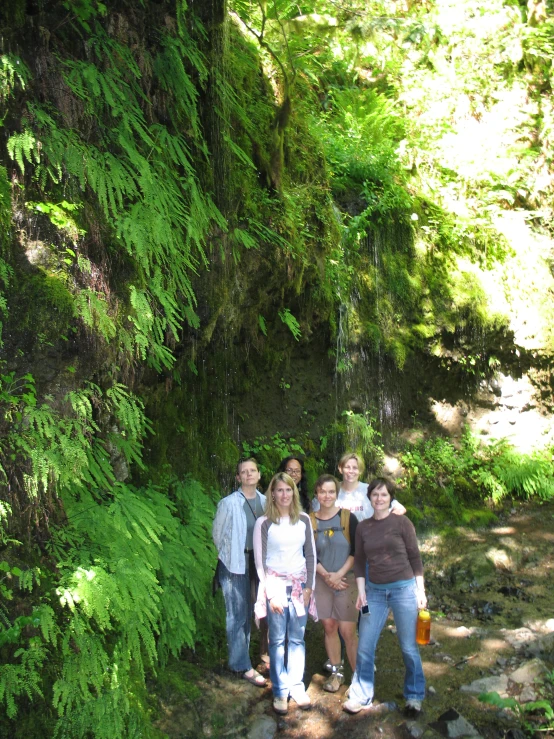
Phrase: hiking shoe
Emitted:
{"points": [[352, 706], [413, 707], [280, 706], [335, 681], [302, 700]]}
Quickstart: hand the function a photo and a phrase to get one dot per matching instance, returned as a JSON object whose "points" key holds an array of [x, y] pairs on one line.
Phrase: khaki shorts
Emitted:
{"points": [[337, 604]]}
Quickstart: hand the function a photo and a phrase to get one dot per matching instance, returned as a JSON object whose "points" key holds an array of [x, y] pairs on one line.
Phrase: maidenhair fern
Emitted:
{"points": [[133, 564], [290, 321], [143, 175]]}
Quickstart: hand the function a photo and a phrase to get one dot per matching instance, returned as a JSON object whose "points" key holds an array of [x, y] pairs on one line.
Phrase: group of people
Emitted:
{"points": [[345, 557]]}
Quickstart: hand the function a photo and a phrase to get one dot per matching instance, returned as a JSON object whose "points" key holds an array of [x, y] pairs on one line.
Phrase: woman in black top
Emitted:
{"points": [[294, 467]]}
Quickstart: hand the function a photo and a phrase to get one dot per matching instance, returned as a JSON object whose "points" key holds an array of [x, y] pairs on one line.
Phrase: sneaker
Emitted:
{"points": [[334, 682], [302, 700], [280, 706], [352, 706], [413, 706]]}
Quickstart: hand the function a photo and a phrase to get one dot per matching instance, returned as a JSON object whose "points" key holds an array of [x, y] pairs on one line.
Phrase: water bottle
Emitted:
{"points": [[423, 627]]}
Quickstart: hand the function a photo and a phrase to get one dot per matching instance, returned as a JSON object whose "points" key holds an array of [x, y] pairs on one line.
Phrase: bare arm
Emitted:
{"points": [[361, 599], [397, 508], [420, 592]]}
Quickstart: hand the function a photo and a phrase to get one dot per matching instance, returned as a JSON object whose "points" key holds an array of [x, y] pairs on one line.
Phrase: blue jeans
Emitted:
{"points": [[286, 678], [238, 607], [403, 603]]}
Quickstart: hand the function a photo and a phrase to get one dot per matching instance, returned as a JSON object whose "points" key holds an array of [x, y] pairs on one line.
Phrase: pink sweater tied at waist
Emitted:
{"points": [[277, 583]]}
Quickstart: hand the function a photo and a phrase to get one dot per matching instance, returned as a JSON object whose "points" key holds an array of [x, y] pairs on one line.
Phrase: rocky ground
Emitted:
{"points": [[492, 597]]}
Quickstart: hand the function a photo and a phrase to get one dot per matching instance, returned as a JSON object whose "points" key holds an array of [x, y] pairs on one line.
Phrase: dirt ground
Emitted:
{"points": [[491, 593]]}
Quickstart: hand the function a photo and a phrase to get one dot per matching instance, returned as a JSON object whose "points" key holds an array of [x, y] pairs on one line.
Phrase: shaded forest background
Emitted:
{"points": [[248, 227]]}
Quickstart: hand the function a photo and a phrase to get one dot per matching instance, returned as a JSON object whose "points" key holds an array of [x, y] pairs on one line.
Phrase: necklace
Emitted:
{"points": [[252, 509]]}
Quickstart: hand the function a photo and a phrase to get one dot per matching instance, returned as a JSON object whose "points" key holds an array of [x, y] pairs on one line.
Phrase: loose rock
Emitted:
{"points": [[264, 727], [414, 729], [529, 672], [452, 724], [518, 638], [463, 631], [527, 695], [541, 645], [501, 560], [541, 626], [496, 683]]}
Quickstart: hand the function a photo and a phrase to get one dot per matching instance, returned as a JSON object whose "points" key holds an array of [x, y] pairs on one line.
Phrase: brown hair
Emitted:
{"points": [[244, 461], [382, 482], [322, 479]]}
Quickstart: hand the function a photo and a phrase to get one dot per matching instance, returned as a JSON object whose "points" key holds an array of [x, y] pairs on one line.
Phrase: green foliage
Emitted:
{"points": [[356, 432], [523, 476], [133, 566], [142, 174], [526, 712], [456, 479], [361, 135], [269, 452], [362, 194], [290, 322], [13, 74]]}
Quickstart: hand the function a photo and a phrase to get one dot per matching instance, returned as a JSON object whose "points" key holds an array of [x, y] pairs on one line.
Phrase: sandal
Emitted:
{"points": [[255, 679]]}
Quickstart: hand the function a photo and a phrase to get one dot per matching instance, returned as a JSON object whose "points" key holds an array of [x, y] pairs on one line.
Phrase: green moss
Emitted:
{"points": [[41, 308], [13, 14]]}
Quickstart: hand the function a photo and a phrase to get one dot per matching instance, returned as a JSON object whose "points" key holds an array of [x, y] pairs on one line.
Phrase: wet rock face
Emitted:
{"points": [[505, 407]]}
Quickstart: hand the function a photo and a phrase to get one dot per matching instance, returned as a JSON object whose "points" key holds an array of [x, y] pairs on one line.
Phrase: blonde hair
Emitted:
{"points": [[271, 510], [347, 457]]}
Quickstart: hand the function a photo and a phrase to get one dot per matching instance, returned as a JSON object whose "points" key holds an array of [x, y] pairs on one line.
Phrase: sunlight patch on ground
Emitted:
{"points": [[494, 645], [503, 530]]}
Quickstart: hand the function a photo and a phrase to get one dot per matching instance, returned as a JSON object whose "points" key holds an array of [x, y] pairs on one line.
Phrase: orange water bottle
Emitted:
{"points": [[423, 627]]}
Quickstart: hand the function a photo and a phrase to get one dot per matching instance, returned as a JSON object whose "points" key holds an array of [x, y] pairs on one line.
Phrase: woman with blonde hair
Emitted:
{"points": [[284, 551], [353, 493]]}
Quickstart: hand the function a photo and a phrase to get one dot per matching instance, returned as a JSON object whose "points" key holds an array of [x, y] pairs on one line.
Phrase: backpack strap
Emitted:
{"points": [[345, 523]]}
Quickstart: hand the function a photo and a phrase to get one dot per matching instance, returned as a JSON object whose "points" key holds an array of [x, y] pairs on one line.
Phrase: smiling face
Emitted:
{"points": [[283, 493], [294, 470], [380, 499], [350, 471], [327, 495], [248, 474]]}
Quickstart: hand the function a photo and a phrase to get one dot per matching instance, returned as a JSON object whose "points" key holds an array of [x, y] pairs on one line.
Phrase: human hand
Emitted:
{"points": [[335, 580], [421, 599], [276, 606], [398, 510], [307, 593], [361, 600]]}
